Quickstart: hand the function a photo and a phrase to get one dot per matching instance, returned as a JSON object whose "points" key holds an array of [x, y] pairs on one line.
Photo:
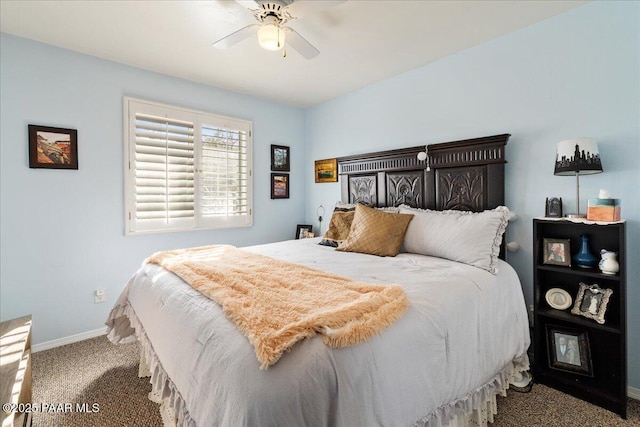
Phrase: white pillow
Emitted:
{"points": [[468, 237]]}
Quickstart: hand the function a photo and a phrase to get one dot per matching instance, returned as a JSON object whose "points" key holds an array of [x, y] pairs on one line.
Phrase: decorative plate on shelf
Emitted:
{"points": [[558, 298]]}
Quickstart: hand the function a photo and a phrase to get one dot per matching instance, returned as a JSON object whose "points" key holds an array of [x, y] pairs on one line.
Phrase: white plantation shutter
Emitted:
{"points": [[185, 169], [225, 177], [164, 172]]}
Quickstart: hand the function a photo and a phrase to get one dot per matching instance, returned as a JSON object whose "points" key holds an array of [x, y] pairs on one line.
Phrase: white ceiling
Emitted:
{"points": [[360, 42]]}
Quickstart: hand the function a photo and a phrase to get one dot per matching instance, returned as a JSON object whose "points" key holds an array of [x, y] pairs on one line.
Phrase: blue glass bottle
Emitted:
{"points": [[584, 258]]}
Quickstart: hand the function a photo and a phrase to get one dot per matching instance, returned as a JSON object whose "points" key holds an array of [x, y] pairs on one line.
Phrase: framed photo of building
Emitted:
{"points": [[569, 350], [553, 207], [53, 148]]}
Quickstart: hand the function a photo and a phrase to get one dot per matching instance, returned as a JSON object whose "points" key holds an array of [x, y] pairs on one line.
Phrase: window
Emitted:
{"points": [[185, 169]]}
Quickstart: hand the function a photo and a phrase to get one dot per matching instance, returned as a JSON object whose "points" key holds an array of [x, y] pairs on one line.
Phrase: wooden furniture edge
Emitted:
{"points": [[15, 367]]}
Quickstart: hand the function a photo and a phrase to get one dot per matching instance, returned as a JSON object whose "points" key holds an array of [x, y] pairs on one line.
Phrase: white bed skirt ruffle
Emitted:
{"points": [[125, 327], [477, 408]]}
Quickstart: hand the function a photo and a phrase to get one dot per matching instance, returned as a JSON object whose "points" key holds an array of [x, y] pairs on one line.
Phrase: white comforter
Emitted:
{"points": [[464, 333]]}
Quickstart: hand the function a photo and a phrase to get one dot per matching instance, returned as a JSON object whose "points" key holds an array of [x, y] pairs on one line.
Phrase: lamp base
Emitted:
{"points": [[575, 215]]}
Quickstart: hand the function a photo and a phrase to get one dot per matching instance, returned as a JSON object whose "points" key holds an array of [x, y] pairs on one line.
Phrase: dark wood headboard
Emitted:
{"points": [[463, 175]]}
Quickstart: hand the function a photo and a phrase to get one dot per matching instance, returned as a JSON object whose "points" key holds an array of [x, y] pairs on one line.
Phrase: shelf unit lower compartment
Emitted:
{"points": [[605, 387], [594, 395], [577, 389]]}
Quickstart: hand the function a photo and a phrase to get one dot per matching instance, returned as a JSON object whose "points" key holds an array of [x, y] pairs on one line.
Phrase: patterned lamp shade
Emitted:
{"points": [[578, 155]]}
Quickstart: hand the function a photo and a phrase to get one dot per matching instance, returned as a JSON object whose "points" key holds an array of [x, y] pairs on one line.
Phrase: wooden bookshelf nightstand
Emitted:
{"points": [[15, 371], [580, 350]]}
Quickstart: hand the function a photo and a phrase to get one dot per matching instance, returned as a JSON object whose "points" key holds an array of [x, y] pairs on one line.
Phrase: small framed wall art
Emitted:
{"points": [[326, 170], [280, 158], [279, 185], [556, 252], [569, 350], [53, 148]]}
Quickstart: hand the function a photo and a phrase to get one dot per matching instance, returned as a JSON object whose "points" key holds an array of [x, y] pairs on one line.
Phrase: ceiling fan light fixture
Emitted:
{"points": [[271, 37]]}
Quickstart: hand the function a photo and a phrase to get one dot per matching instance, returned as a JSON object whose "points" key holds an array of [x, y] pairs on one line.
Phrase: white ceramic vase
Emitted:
{"points": [[608, 264]]}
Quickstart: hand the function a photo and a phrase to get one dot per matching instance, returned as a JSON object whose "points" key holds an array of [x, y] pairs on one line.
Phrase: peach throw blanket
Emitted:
{"points": [[277, 303]]}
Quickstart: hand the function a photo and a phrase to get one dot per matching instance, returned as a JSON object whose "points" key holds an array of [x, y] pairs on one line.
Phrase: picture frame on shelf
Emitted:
{"points": [[553, 207], [279, 185], [569, 350], [52, 148], [591, 302], [280, 158], [304, 231], [326, 170], [556, 252], [558, 298]]}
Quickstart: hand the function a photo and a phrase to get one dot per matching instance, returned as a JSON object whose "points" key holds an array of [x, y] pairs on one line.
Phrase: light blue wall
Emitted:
{"points": [[63, 231], [577, 74]]}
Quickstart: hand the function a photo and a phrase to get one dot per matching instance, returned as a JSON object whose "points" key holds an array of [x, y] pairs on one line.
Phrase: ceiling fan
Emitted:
{"points": [[272, 35]]}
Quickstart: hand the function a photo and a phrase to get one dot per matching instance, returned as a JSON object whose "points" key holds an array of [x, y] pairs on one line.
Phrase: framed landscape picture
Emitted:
{"points": [[279, 185], [280, 158], [53, 148], [326, 170]]}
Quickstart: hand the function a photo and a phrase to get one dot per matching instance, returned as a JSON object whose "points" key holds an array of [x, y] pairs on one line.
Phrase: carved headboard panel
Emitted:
{"points": [[463, 175]]}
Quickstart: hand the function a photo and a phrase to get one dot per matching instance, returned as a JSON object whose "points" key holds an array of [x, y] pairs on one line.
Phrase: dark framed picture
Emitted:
{"points": [[326, 170], [280, 158], [556, 252], [553, 207], [591, 302], [569, 350], [279, 185], [304, 231], [53, 148]]}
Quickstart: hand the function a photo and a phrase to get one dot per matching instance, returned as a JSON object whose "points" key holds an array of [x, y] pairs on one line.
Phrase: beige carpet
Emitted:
{"points": [[96, 371]]}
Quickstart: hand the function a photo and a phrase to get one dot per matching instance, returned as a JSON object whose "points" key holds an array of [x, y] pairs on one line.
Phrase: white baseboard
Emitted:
{"points": [[633, 393], [68, 340]]}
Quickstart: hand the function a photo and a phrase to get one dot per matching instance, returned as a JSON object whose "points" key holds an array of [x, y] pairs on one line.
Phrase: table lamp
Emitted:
{"points": [[577, 157]]}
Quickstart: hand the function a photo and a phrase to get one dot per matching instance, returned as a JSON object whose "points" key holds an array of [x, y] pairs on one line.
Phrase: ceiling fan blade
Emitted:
{"points": [[236, 36], [249, 4], [300, 44]]}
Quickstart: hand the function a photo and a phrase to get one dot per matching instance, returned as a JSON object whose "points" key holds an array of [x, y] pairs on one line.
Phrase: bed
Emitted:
{"points": [[462, 339]]}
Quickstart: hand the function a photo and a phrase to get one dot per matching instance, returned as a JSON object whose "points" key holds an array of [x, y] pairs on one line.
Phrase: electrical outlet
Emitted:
{"points": [[100, 295]]}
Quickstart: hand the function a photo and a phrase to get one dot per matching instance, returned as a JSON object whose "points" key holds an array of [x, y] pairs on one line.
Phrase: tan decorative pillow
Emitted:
{"points": [[339, 227], [376, 232]]}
